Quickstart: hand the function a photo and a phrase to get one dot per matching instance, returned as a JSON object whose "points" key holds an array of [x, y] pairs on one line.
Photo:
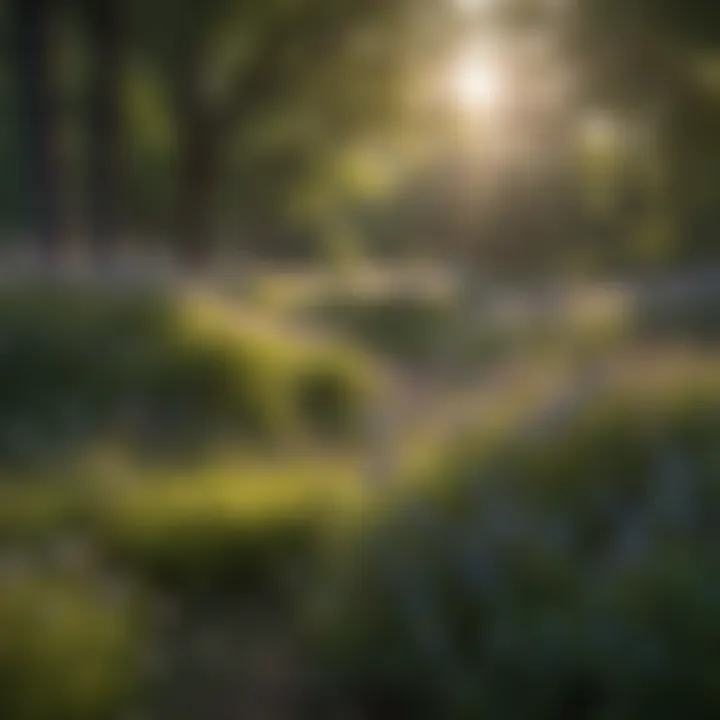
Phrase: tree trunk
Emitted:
{"points": [[199, 179], [105, 32], [38, 123]]}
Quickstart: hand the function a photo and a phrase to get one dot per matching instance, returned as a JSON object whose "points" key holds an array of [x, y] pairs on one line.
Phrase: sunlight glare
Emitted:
{"points": [[477, 83]]}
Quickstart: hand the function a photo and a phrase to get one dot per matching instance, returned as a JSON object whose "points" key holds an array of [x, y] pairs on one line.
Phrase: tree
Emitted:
{"points": [[41, 170], [643, 61], [233, 69], [105, 26]]}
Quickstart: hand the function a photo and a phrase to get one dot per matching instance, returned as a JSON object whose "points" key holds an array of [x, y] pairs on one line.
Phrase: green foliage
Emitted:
{"points": [[572, 578], [219, 537], [329, 396], [69, 650], [402, 327], [578, 567], [82, 368]]}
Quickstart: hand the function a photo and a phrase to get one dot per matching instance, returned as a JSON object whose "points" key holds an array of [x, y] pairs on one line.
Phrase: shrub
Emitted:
{"points": [[571, 578], [328, 393], [66, 651], [400, 327], [136, 369]]}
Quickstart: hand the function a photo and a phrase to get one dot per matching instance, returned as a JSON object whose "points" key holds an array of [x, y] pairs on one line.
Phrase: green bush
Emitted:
{"points": [[402, 327], [137, 370], [221, 538], [68, 650], [329, 392], [575, 577]]}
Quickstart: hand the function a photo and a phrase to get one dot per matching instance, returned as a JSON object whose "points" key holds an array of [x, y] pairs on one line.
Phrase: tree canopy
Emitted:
{"points": [[268, 126]]}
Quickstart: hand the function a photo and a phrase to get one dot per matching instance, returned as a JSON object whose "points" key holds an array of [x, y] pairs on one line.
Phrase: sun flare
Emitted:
{"points": [[477, 83]]}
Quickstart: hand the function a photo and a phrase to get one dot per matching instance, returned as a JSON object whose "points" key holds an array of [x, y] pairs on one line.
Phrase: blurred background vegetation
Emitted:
{"points": [[358, 359], [298, 130]]}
